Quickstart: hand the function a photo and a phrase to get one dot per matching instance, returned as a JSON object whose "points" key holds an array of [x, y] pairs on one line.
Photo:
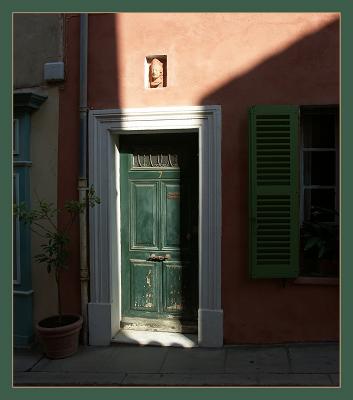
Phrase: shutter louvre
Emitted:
{"points": [[273, 191]]}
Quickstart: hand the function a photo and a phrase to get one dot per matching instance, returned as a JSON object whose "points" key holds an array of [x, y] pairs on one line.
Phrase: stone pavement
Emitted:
{"points": [[131, 365]]}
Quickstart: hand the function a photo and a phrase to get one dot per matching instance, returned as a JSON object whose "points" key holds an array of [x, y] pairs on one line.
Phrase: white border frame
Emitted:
{"points": [[105, 126]]}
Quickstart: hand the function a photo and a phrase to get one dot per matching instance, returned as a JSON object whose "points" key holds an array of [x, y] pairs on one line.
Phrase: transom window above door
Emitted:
{"points": [[155, 160]]}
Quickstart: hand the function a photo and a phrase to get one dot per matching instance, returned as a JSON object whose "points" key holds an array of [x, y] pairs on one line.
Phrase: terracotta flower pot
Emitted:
{"points": [[60, 340]]}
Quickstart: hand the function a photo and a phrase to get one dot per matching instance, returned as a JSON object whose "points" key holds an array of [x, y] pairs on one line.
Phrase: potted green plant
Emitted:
{"points": [[321, 241], [58, 333]]}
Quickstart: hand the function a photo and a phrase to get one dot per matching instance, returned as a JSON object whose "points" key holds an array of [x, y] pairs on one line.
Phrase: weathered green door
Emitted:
{"points": [[159, 220]]}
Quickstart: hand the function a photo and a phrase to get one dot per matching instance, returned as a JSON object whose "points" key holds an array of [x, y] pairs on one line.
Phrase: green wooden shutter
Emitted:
{"points": [[274, 191]]}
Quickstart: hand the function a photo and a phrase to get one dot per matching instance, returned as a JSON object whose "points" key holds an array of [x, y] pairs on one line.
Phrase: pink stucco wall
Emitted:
{"points": [[234, 60]]}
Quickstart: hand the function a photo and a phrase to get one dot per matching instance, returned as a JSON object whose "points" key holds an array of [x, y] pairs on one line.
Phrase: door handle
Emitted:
{"points": [[153, 257]]}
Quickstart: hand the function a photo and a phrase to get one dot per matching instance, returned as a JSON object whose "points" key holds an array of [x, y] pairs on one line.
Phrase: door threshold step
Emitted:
{"points": [[149, 338]]}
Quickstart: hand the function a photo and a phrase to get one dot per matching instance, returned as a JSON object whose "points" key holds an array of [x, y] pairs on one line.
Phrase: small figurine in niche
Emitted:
{"points": [[156, 73]]}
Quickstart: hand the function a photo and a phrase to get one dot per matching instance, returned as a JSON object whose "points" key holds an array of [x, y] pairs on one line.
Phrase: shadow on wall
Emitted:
{"points": [[103, 43], [305, 73], [102, 28]]}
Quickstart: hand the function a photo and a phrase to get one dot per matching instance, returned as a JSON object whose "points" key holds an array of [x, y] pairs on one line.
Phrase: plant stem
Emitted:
{"points": [[37, 233], [42, 227], [69, 224], [57, 278], [51, 221]]}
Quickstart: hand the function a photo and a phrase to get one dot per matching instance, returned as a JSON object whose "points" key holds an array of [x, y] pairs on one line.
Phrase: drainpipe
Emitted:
{"points": [[83, 180]]}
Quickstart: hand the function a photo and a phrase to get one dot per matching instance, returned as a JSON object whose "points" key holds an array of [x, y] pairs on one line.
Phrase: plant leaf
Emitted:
{"points": [[322, 251], [311, 242]]}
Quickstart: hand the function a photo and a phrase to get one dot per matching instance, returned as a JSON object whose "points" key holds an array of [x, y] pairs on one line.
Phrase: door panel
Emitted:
{"points": [[144, 291], [159, 213], [170, 209], [173, 279], [179, 279], [143, 215]]}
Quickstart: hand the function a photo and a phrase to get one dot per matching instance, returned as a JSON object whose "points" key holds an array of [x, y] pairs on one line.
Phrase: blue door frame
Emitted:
{"points": [[24, 105]]}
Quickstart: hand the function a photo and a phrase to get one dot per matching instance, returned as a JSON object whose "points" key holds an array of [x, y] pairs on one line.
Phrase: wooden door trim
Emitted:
{"points": [[105, 126]]}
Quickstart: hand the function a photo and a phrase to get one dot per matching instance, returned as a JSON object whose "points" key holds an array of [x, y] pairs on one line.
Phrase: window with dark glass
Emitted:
{"points": [[319, 197]]}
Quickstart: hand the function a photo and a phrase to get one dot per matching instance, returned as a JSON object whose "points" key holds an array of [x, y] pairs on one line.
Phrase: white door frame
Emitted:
{"points": [[105, 126]]}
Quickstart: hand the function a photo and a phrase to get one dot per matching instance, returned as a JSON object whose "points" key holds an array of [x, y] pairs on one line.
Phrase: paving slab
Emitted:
{"points": [[68, 379], [172, 379], [256, 359], [294, 380], [116, 358], [131, 365], [24, 360], [135, 358], [335, 378], [194, 360], [87, 359], [317, 358]]}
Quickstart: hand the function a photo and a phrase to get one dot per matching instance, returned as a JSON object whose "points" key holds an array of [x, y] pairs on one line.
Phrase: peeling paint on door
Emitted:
{"points": [[159, 208]]}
